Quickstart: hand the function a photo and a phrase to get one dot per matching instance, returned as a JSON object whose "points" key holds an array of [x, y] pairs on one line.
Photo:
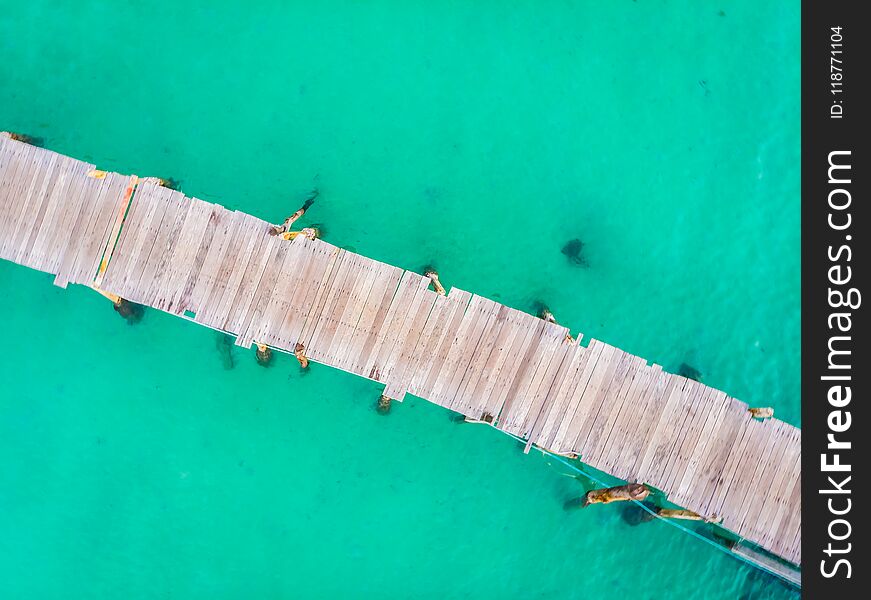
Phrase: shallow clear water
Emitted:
{"points": [[478, 138]]}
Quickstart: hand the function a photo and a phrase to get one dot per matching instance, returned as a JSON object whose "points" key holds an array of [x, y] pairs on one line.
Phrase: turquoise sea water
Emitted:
{"points": [[476, 136]]}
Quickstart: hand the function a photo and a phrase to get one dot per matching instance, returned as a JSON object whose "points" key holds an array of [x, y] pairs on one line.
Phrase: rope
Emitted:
{"points": [[672, 522]]}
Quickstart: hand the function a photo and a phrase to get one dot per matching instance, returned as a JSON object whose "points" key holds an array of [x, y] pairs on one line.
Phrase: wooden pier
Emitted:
{"points": [[523, 375]]}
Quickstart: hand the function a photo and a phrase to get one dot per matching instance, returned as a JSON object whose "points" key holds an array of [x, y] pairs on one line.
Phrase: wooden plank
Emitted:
{"points": [[233, 264], [717, 405], [713, 464], [251, 271], [424, 381], [335, 301], [140, 240], [272, 303], [753, 461], [563, 397], [59, 243], [317, 305], [224, 263], [393, 319], [13, 159], [10, 158], [44, 207], [787, 537], [113, 200], [603, 370], [430, 337], [178, 246], [26, 176], [401, 362], [215, 242], [30, 186], [29, 182], [607, 416], [785, 505], [543, 392], [524, 369], [81, 226], [408, 338], [622, 432], [650, 408], [666, 421], [466, 334], [549, 356], [396, 325], [465, 401], [660, 450], [115, 230], [468, 369], [750, 520], [113, 279], [96, 235], [16, 158], [734, 468], [776, 501], [687, 437], [143, 288], [299, 281], [252, 324], [489, 392], [479, 397], [610, 385], [365, 336], [359, 296], [460, 301], [190, 255], [561, 428], [44, 250], [159, 264]]}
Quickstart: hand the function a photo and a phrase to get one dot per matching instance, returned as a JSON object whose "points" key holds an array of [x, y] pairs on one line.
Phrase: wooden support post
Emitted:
{"points": [[285, 227], [761, 413], [23, 138], [170, 183], [307, 232], [686, 515], [115, 298], [620, 493], [383, 406], [131, 311], [264, 354], [436, 284], [299, 353]]}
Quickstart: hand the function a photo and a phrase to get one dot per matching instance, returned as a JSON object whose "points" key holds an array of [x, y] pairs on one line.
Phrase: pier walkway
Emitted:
{"points": [[523, 375]]}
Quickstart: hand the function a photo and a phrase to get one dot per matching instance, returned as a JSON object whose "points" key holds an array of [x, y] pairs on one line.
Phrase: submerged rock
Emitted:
{"points": [[224, 344], [574, 252]]}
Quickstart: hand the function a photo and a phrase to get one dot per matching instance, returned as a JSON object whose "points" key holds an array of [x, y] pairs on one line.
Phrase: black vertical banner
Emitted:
{"points": [[835, 372]]}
